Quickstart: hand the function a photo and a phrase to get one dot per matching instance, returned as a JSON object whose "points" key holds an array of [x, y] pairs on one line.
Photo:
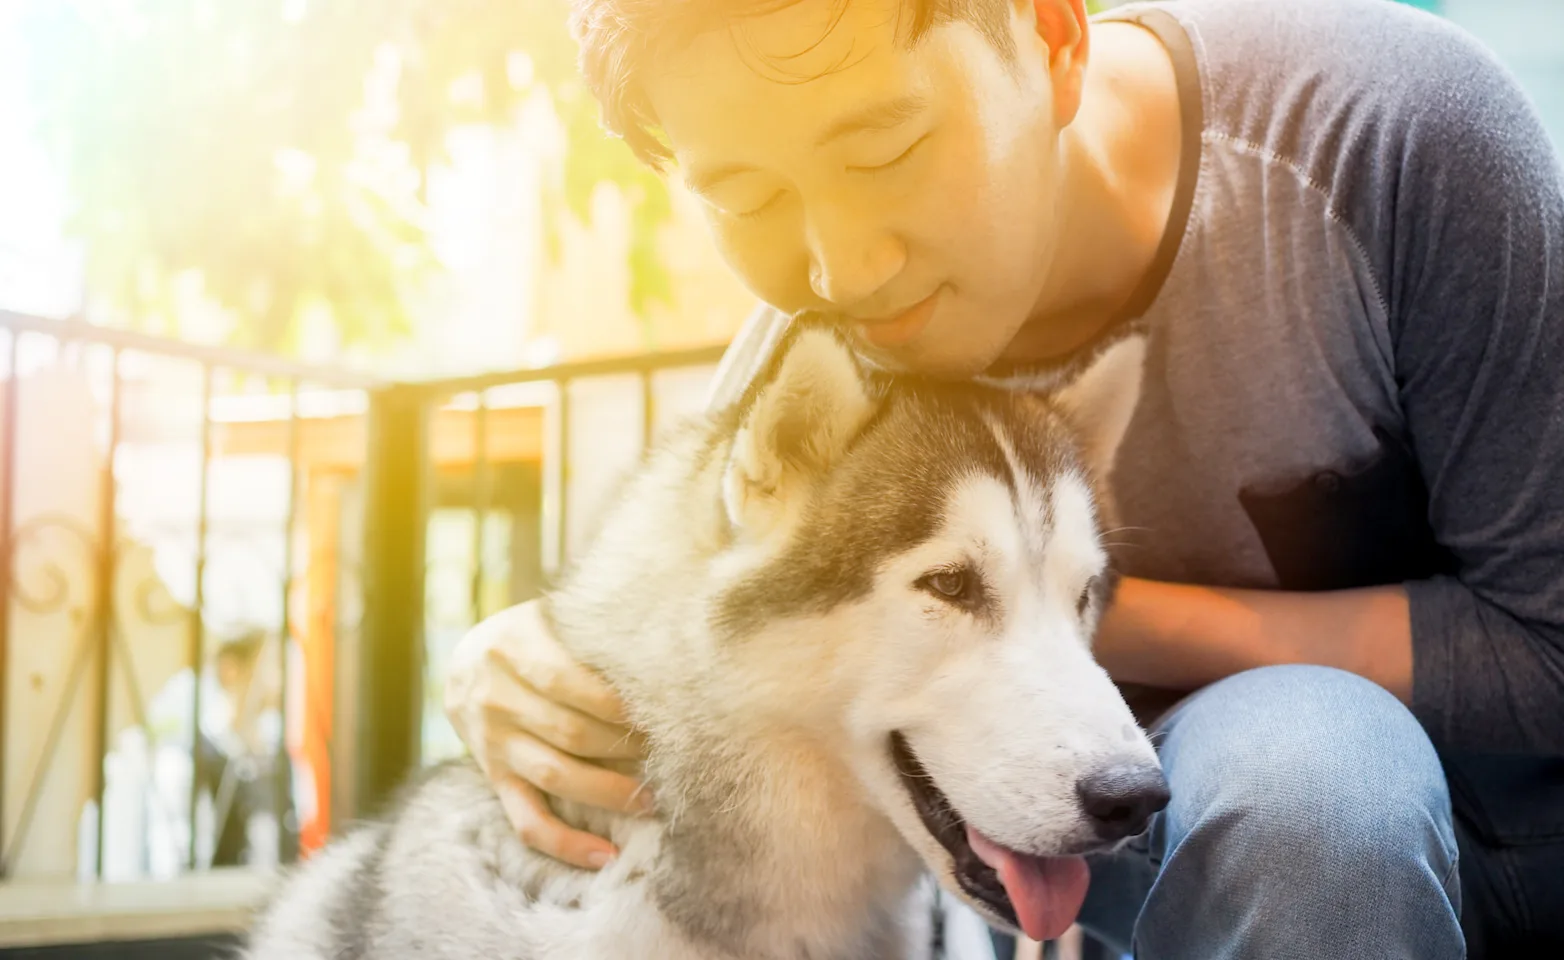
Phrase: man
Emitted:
{"points": [[1344, 485]]}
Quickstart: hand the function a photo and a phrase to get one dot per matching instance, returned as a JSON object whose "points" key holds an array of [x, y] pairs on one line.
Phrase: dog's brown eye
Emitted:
{"points": [[951, 583], [961, 587], [956, 585]]}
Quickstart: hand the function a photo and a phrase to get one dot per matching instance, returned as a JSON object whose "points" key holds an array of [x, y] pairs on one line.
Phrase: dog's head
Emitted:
{"points": [[922, 572]]}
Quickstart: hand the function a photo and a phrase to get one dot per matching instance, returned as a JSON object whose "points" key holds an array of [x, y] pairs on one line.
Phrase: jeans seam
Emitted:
{"points": [[1453, 872]]}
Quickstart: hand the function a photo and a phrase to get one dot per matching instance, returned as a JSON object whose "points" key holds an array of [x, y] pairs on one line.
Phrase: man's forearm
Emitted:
{"points": [[1184, 637]]}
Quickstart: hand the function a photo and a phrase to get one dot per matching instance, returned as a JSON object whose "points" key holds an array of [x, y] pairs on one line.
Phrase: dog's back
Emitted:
{"points": [[442, 877], [391, 889]]}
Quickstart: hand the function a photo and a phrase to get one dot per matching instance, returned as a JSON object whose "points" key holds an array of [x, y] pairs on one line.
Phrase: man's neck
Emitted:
{"points": [[1121, 171]]}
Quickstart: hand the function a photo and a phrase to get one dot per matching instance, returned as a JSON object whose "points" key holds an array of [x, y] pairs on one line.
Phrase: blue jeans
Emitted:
{"points": [[1310, 818]]}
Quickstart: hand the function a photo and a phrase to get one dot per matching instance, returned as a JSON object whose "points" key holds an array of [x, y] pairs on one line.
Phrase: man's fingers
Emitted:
{"points": [[530, 714], [540, 660], [510, 702], [560, 775], [581, 689], [540, 830]]}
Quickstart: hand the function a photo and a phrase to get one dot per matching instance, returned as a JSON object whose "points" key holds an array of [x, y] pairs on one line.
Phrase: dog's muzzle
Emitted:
{"points": [[977, 878]]}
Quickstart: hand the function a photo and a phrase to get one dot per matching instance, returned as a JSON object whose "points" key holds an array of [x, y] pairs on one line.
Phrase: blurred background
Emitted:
{"points": [[325, 327]]}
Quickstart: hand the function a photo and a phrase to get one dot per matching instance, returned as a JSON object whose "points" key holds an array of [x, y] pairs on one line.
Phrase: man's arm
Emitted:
{"points": [[1183, 637], [1458, 204]]}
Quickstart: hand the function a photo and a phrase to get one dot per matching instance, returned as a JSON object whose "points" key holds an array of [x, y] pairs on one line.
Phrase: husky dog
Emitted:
{"points": [[853, 616]]}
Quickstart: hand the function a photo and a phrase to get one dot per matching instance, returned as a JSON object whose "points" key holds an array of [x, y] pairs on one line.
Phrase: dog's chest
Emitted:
{"points": [[843, 892]]}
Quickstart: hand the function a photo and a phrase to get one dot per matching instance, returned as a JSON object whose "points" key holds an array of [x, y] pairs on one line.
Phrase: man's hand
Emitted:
{"points": [[534, 720]]}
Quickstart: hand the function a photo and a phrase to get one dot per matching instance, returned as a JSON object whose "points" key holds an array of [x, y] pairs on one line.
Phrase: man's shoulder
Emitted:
{"points": [[1389, 112], [1387, 40], [1285, 75]]}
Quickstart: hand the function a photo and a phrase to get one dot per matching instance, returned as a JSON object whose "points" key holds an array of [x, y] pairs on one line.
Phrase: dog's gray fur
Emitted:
{"points": [[743, 599]]}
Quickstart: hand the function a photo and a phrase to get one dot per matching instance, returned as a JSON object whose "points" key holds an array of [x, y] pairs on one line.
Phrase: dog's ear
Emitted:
{"points": [[1100, 401], [795, 426]]}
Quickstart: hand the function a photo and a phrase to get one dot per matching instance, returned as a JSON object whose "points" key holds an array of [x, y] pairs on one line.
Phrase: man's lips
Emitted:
{"points": [[899, 329]]}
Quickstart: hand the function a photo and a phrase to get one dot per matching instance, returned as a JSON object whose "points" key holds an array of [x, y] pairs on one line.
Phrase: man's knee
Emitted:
{"points": [[1307, 763], [1310, 817]]}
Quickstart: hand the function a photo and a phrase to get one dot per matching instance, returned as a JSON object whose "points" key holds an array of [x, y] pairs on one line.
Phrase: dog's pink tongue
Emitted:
{"points": [[1047, 891]]}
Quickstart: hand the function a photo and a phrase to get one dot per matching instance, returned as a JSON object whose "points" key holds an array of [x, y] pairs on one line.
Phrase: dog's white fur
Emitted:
{"points": [[784, 828]]}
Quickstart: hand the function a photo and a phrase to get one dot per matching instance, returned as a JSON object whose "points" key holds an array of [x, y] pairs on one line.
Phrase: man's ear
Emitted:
{"points": [[795, 428], [1100, 401], [1063, 26]]}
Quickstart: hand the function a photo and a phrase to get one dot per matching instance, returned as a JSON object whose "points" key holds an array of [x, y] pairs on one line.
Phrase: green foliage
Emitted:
{"points": [[595, 159], [230, 142], [235, 140]]}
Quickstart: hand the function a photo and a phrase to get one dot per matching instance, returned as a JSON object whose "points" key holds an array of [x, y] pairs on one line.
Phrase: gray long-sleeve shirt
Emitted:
{"points": [[1356, 368]]}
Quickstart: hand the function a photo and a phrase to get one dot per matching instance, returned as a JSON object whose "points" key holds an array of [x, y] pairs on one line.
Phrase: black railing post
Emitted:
{"points": [[198, 613], [282, 779], [103, 609], [562, 501], [8, 399], [480, 501], [388, 712]]}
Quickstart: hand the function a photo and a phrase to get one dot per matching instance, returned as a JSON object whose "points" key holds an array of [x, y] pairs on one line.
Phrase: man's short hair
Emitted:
{"points": [[619, 38]]}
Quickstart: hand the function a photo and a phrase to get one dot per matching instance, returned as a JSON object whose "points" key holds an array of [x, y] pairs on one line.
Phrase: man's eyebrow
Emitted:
{"points": [[704, 179], [878, 116]]}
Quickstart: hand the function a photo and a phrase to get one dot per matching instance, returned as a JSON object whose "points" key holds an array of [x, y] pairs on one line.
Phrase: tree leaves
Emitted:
{"points": [[271, 156]]}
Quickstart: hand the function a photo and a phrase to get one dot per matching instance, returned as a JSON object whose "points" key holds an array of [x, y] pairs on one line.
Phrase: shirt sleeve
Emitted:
{"points": [[1469, 228], [746, 356]]}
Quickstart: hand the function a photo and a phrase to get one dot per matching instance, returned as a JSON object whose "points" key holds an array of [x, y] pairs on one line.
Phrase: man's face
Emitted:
{"points": [[910, 191]]}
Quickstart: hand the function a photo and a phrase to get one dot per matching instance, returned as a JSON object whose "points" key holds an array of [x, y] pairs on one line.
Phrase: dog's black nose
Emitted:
{"points": [[1119, 800]]}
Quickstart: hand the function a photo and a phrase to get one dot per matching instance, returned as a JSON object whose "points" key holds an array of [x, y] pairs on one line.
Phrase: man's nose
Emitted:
{"points": [[851, 257]]}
